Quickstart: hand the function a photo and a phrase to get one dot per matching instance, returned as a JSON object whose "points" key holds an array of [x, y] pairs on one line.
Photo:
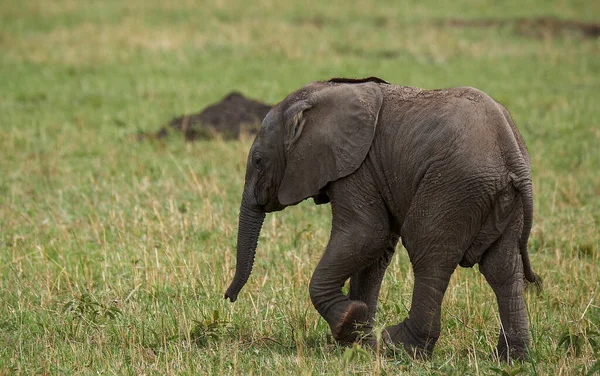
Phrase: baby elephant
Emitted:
{"points": [[444, 170]]}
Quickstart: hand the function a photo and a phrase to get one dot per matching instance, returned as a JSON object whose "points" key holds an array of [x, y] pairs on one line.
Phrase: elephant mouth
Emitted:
{"points": [[272, 206], [269, 203]]}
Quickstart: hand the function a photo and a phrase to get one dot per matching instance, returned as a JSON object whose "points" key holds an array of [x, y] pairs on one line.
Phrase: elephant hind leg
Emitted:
{"points": [[502, 267], [437, 231], [419, 332]]}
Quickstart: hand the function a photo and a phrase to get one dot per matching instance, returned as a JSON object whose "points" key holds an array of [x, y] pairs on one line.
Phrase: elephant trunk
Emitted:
{"points": [[249, 226]]}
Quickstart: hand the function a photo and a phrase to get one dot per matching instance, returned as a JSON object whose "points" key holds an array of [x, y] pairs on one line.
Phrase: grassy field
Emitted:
{"points": [[115, 254]]}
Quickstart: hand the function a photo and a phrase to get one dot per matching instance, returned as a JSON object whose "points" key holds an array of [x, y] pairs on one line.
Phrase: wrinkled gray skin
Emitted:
{"points": [[444, 170]]}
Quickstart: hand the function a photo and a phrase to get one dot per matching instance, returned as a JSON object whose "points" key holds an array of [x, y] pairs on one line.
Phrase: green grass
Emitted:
{"points": [[115, 254]]}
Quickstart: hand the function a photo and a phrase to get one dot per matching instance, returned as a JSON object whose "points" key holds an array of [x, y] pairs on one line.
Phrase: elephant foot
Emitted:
{"points": [[353, 324], [415, 346], [509, 349]]}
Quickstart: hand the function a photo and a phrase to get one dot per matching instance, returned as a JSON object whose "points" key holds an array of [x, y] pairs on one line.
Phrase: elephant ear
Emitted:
{"points": [[327, 136]]}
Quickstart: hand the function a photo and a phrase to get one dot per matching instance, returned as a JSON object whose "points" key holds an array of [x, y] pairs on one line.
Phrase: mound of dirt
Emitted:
{"points": [[232, 115], [534, 27]]}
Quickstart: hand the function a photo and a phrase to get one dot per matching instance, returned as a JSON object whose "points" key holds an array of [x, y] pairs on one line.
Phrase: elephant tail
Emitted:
{"points": [[526, 190], [519, 164]]}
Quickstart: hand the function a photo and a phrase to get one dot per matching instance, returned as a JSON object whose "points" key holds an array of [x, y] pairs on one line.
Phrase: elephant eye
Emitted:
{"points": [[258, 163]]}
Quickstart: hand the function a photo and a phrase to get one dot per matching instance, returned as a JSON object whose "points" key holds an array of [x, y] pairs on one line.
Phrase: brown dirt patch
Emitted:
{"points": [[231, 116], [534, 27]]}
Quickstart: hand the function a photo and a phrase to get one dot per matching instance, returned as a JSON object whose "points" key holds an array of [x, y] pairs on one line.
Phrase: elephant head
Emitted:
{"points": [[315, 136]]}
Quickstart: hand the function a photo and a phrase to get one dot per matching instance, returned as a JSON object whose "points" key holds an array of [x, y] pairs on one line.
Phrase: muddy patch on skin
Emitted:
{"points": [[233, 115], [540, 27]]}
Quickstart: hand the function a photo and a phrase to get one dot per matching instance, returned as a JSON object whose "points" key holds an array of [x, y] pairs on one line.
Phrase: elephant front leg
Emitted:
{"points": [[366, 283], [360, 235], [349, 316]]}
